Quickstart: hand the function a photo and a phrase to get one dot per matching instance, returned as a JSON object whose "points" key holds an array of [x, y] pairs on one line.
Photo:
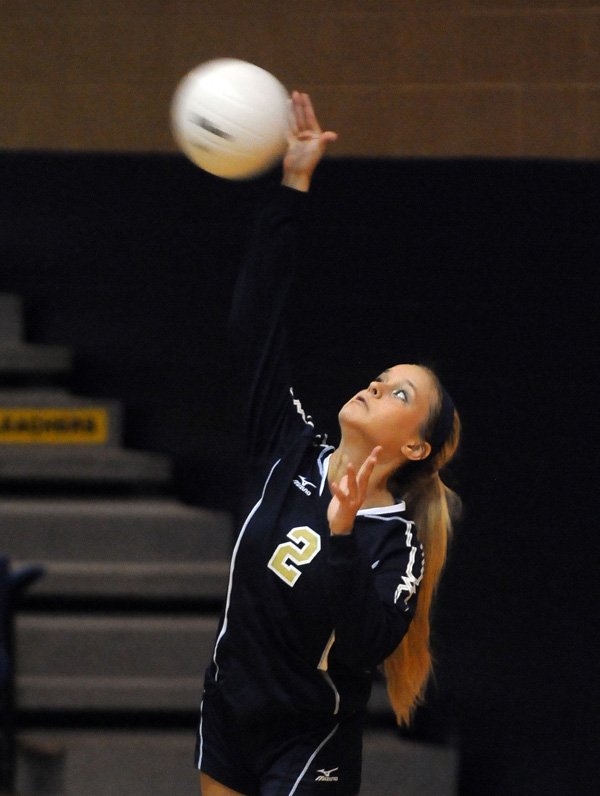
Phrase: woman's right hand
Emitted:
{"points": [[306, 143]]}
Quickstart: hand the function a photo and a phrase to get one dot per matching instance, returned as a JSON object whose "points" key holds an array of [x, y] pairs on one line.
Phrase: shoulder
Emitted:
{"points": [[389, 531]]}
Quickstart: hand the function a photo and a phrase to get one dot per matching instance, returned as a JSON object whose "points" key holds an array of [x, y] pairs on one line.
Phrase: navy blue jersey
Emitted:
{"points": [[308, 615]]}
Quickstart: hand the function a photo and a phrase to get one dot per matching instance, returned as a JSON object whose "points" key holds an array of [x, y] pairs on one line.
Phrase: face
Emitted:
{"points": [[391, 410]]}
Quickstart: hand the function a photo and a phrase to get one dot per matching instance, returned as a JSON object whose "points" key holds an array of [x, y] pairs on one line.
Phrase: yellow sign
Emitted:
{"points": [[62, 426]]}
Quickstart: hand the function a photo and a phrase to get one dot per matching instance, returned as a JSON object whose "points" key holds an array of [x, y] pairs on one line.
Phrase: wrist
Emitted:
{"points": [[340, 531], [298, 181]]}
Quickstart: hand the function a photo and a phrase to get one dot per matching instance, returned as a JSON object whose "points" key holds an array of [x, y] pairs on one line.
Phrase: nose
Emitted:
{"points": [[375, 389]]}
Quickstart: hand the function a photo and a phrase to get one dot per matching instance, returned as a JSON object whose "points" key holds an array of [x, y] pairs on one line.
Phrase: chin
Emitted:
{"points": [[348, 413], [344, 410]]}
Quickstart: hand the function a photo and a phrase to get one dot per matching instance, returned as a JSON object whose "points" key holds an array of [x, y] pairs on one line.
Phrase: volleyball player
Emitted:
{"points": [[336, 562]]}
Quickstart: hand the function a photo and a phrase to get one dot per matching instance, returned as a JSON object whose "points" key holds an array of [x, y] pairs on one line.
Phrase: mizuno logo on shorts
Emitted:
{"points": [[326, 775], [302, 483]]}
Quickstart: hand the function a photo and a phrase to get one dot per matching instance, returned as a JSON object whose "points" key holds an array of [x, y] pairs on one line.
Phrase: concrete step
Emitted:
{"points": [[84, 466], [142, 530], [55, 417], [120, 662], [21, 359], [130, 694], [97, 763], [204, 580], [396, 767], [135, 693], [11, 319], [124, 662]]}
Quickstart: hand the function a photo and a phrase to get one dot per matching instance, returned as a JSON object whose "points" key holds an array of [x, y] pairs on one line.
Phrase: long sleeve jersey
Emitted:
{"points": [[308, 616]]}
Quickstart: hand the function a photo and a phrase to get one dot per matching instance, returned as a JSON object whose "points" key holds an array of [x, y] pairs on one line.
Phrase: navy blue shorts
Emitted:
{"points": [[279, 758]]}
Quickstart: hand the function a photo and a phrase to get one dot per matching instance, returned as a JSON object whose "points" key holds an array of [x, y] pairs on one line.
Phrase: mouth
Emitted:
{"points": [[360, 399]]}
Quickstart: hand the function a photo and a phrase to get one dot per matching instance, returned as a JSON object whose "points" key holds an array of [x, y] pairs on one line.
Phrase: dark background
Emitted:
{"points": [[483, 268]]}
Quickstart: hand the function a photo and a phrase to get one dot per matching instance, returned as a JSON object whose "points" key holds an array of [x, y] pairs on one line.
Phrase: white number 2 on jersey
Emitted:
{"points": [[303, 547]]}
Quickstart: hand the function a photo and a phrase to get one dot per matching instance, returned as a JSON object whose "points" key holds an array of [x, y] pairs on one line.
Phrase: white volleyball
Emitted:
{"points": [[231, 118]]}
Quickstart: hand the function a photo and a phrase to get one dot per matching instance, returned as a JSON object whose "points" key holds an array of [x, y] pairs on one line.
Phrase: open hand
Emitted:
{"points": [[349, 494], [306, 143]]}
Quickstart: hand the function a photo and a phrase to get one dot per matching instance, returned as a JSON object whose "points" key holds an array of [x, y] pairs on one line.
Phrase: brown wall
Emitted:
{"points": [[397, 77]]}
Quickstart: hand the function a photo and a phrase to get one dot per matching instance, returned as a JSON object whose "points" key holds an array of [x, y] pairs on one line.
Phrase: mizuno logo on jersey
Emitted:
{"points": [[325, 775], [302, 483]]}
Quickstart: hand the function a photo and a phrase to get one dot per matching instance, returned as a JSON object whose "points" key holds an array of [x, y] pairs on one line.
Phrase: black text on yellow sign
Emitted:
{"points": [[37, 426]]}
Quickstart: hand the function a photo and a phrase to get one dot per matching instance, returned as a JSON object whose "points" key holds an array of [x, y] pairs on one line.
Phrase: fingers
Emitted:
{"points": [[364, 474], [351, 483], [304, 118], [303, 112], [353, 486], [306, 143], [346, 489], [348, 494], [309, 114], [293, 121]]}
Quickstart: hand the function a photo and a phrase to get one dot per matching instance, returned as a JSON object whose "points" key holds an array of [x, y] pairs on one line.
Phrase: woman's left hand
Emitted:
{"points": [[349, 494]]}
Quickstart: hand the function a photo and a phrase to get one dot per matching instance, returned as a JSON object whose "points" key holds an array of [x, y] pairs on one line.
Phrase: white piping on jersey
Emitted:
{"points": [[324, 466], [336, 693], [378, 511], [324, 471], [307, 418], [201, 745], [409, 581], [232, 567], [311, 758]]}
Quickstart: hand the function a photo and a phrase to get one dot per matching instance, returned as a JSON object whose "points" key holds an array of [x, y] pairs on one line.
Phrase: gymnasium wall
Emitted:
{"points": [[504, 78]]}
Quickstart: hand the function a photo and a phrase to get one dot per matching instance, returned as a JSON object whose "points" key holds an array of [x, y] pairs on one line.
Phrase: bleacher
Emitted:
{"points": [[111, 643]]}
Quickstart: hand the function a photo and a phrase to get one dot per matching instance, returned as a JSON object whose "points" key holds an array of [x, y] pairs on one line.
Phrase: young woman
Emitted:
{"points": [[334, 567]]}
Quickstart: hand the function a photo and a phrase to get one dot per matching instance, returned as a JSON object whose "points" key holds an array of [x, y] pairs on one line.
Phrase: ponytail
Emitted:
{"points": [[431, 505]]}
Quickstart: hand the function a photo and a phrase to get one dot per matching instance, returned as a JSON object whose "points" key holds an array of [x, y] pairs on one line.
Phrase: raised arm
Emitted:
{"points": [[257, 327]]}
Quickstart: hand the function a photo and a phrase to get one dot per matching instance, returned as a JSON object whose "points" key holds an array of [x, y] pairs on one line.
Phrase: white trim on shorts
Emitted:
{"points": [[311, 758]]}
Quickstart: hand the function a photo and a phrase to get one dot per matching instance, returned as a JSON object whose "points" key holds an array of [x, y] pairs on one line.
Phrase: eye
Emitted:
{"points": [[402, 394]]}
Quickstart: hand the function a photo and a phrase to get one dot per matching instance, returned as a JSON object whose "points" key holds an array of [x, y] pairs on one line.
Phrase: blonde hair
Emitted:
{"points": [[432, 505]]}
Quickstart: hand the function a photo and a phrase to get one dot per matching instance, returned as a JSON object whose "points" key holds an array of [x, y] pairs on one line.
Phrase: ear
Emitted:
{"points": [[416, 451]]}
